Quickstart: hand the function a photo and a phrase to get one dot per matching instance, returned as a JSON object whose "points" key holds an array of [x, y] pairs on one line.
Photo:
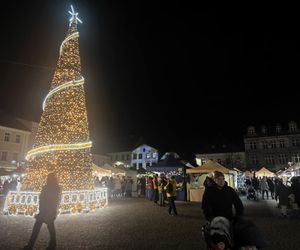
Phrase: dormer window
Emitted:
{"points": [[278, 128], [251, 130], [292, 127], [264, 129]]}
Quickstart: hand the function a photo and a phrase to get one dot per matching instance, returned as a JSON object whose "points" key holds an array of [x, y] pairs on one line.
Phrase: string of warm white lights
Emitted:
{"points": [[57, 147], [72, 36], [63, 86]]}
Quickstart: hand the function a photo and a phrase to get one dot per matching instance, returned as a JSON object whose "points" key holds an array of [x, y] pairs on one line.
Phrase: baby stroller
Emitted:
{"points": [[251, 194], [218, 234]]}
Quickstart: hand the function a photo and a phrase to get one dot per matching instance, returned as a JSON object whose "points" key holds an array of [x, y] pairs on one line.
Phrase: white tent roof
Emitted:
{"points": [[100, 170], [209, 166], [113, 169], [264, 172]]}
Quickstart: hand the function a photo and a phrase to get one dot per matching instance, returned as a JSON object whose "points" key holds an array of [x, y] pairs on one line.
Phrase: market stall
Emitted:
{"points": [[171, 165], [198, 175], [264, 172], [100, 172]]}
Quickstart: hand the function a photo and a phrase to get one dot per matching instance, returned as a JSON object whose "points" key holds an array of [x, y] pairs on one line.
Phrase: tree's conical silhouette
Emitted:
{"points": [[62, 142]]}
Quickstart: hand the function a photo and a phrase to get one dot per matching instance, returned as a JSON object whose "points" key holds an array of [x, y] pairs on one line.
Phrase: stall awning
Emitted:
{"points": [[208, 167]]}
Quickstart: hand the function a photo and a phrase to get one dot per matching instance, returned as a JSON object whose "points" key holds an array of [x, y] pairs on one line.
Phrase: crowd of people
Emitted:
{"points": [[162, 191], [118, 186], [287, 194]]}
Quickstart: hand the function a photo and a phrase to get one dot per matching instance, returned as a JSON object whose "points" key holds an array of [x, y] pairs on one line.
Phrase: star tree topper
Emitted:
{"points": [[74, 16]]}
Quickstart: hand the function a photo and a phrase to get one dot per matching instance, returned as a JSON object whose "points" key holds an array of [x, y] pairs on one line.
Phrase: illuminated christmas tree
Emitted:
{"points": [[62, 143]]}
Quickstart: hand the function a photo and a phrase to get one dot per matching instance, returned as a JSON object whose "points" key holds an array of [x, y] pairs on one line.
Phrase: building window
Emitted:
{"points": [[147, 156], [4, 156], [128, 156], [147, 164], [281, 144], [273, 144], [270, 159], [144, 150], [254, 160], [140, 165], [252, 145], [134, 156], [6, 136], [251, 130], [264, 144], [123, 157], [278, 128], [296, 158], [282, 159], [154, 155], [18, 138], [295, 143], [292, 126], [140, 156], [134, 165]]}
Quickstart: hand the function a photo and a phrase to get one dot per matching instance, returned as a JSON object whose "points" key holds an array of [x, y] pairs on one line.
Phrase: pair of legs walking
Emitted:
{"points": [[35, 232], [172, 205], [263, 194]]}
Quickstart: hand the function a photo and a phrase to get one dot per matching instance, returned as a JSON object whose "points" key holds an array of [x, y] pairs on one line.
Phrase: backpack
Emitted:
{"points": [[170, 188]]}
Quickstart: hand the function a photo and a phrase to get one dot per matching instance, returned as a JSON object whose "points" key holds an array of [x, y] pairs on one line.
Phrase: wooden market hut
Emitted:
{"points": [[197, 176]]}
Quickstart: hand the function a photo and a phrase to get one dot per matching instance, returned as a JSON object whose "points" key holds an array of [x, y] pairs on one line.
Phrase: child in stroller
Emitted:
{"points": [[217, 234], [251, 193]]}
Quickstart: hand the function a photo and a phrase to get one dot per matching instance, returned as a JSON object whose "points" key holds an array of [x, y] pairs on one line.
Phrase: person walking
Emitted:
{"points": [[271, 187], [161, 191], [295, 189], [155, 188], [264, 188], [50, 198], [171, 194], [282, 193]]}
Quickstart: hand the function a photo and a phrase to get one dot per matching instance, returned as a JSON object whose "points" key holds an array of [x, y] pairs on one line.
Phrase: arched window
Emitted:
{"points": [[251, 130], [292, 126], [278, 128]]}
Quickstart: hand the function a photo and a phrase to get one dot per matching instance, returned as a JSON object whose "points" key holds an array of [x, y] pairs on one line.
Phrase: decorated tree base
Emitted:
{"points": [[79, 201]]}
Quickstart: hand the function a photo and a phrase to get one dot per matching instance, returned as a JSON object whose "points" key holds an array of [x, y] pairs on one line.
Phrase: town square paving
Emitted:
{"points": [[136, 223]]}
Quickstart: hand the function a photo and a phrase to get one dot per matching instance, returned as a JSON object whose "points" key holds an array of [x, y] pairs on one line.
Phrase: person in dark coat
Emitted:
{"points": [[50, 198], [218, 199], [295, 189], [282, 193], [271, 187]]}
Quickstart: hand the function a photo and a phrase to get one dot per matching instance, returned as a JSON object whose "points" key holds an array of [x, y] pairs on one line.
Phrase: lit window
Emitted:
{"points": [[147, 156], [154, 155]]}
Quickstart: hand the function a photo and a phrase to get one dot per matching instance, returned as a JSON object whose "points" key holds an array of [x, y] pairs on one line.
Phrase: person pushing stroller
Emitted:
{"points": [[227, 230]]}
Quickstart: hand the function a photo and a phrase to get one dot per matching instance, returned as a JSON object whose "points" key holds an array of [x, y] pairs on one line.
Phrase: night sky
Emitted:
{"points": [[179, 75]]}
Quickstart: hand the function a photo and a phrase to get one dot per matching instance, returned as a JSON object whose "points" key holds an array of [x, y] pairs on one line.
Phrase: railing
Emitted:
{"points": [[76, 201]]}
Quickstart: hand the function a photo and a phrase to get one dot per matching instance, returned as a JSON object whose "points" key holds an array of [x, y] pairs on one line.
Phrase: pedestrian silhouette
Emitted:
{"points": [[48, 206]]}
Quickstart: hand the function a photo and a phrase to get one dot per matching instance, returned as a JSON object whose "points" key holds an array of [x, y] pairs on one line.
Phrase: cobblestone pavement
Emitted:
{"points": [[137, 223]]}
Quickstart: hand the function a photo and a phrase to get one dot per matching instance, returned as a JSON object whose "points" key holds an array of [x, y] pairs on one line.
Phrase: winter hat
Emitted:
{"points": [[218, 174]]}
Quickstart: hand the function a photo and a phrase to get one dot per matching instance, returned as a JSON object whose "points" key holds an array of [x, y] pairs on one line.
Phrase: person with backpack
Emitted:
{"points": [[171, 195]]}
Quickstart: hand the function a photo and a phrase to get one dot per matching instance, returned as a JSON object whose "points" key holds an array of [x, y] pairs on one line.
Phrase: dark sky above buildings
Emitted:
{"points": [[178, 74]]}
